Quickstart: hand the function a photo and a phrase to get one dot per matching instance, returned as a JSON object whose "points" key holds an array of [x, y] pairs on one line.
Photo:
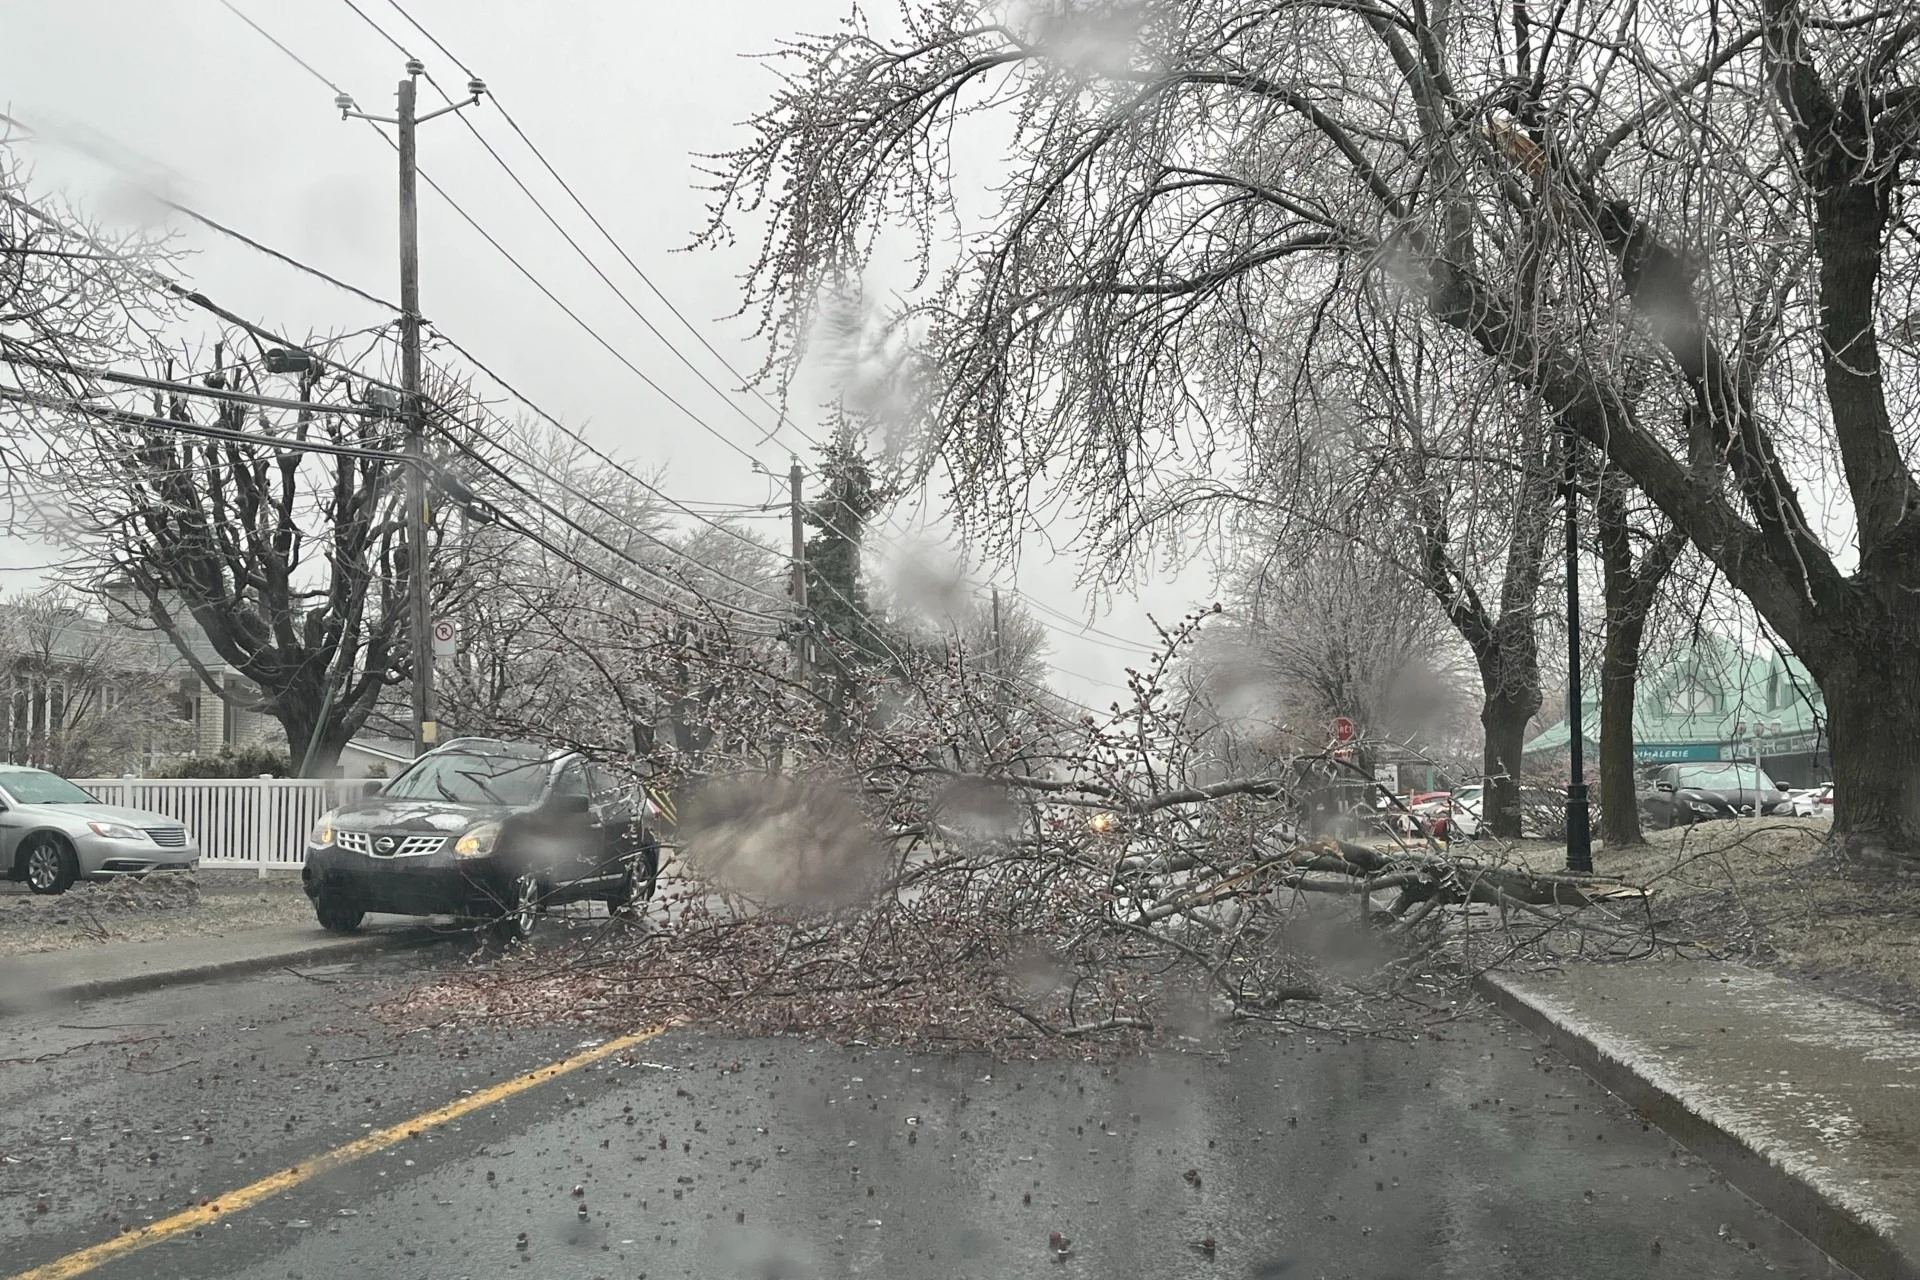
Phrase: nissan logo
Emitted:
{"points": [[384, 844]]}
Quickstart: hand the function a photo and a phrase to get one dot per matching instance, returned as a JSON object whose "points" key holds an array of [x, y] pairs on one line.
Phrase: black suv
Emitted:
{"points": [[487, 830]]}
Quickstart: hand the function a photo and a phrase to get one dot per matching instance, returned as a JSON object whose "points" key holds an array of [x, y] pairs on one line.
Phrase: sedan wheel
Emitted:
{"points": [[50, 864]]}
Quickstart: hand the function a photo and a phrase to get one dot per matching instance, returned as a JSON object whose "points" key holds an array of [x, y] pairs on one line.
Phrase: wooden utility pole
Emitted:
{"points": [[999, 663], [406, 120], [802, 632]]}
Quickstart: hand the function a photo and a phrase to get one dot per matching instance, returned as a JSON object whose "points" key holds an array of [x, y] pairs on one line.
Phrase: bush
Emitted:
{"points": [[247, 762]]}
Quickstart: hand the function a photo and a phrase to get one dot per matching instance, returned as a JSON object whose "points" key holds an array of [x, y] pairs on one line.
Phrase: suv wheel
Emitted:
{"points": [[636, 884], [49, 864], [516, 922], [337, 915]]}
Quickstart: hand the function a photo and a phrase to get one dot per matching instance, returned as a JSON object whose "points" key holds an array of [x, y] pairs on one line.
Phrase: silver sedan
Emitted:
{"points": [[53, 833]]}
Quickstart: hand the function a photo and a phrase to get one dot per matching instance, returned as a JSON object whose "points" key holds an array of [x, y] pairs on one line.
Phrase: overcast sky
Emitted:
{"points": [[619, 96]]}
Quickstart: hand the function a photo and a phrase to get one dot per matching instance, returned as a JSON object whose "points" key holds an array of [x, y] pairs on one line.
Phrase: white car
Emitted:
{"points": [[1811, 802]]}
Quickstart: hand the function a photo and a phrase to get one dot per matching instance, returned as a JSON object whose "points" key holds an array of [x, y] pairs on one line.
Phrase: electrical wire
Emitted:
{"points": [[404, 51], [568, 311], [123, 417], [179, 388], [578, 320], [596, 269], [597, 452], [601, 507], [608, 236], [268, 37], [271, 252]]}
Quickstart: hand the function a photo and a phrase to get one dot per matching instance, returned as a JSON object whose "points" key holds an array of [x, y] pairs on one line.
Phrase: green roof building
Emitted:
{"points": [[1718, 702]]}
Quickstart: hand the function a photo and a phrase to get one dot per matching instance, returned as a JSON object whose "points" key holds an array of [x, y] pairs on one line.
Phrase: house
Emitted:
{"points": [[84, 695], [1715, 702], [222, 717], [371, 757]]}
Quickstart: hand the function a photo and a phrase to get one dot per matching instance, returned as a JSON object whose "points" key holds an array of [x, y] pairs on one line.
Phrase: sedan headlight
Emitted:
{"points": [[1700, 806], [479, 842], [322, 832], [116, 831]]}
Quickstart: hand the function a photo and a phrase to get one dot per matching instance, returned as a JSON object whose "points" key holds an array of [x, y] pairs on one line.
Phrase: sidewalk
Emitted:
{"points": [[1808, 1103], [64, 977]]}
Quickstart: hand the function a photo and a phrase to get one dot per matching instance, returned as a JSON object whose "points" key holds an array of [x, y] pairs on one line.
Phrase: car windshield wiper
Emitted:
{"points": [[442, 788], [481, 783]]}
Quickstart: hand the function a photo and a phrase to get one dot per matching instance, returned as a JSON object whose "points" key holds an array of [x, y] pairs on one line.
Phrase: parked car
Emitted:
{"points": [[483, 829], [1810, 802], [1463, 814], [53, 833], [1683, 794]]}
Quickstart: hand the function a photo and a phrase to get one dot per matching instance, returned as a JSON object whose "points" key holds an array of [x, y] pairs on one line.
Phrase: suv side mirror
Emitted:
{"points": [[371, 787], [570, 804]]}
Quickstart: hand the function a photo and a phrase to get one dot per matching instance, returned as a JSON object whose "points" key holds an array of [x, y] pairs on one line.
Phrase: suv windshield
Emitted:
{"points": [[1725, 777], [471, 779], [34, 787]]}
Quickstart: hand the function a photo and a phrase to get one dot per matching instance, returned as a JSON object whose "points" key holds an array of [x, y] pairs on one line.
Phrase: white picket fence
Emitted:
{"points": [[239, 822]]}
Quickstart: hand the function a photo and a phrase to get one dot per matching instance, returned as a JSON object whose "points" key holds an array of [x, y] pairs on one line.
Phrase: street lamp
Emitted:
{"points": [[1579, 831]]}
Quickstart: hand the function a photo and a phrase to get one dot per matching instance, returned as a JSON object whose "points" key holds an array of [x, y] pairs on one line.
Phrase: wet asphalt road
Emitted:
{"points": [[1477, 1155]]}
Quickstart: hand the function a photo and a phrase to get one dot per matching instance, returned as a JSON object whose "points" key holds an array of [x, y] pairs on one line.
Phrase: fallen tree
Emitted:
{"points": [[1114, 886]]}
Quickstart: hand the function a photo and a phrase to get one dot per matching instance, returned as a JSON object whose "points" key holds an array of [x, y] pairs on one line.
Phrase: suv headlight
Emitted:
{"points": [[479, 842], [322, 832], [116, 831]]}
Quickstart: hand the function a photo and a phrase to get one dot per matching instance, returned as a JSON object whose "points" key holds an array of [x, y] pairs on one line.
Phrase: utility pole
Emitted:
{"points": [[802, 633], [406, 120], [426, 730], [999, 664]]}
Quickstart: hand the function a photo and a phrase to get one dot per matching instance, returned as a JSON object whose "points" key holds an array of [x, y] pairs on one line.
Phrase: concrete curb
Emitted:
{"points": [[1816, 1212], [326, 950]]}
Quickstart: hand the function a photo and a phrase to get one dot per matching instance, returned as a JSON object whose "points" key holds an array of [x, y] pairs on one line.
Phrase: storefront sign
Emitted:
{"points": [[1668, 752]]}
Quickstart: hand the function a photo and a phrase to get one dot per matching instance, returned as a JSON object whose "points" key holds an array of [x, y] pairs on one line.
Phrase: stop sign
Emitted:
{"points": [[1342, 729]]}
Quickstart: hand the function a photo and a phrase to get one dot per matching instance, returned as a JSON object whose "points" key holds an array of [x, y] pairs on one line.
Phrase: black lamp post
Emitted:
{"points": [[1579, 832]]}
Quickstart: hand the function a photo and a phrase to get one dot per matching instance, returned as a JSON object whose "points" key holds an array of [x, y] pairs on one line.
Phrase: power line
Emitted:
{"points": [[573, 315], [597, 452], [570, 313], [598, 225], [123, 417], [271, 252], [268, 37], [595, 267], [179, 388], [404, 51], [223, 229], [554, 479]]}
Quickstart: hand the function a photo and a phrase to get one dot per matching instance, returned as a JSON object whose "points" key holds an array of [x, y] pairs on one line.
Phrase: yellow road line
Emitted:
{"points": [[84, 1260]]}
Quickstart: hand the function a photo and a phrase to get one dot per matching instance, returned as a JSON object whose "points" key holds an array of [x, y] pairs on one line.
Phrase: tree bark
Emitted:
{"points": [[1629, 592], [1873, 722], [1510, 677], [1619, 686]]}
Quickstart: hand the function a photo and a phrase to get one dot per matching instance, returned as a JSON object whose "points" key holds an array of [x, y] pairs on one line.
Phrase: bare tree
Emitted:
{"points": [[273, 546], [86, 697], [1335, 631], [72, 296], [1691, 187]]}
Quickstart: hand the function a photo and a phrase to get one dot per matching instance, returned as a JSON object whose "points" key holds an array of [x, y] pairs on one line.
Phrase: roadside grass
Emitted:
{"points": [[1772, 892], [209, 904]]}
